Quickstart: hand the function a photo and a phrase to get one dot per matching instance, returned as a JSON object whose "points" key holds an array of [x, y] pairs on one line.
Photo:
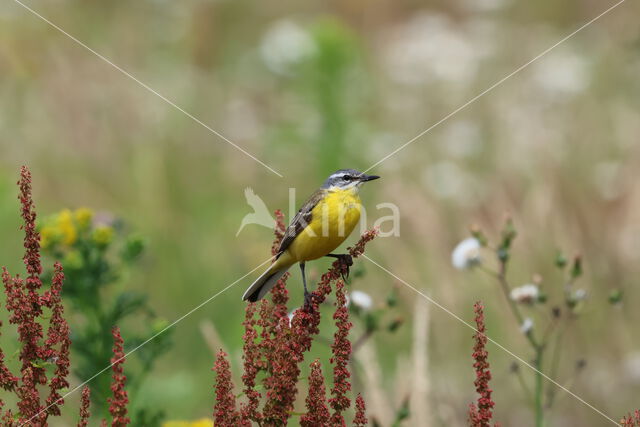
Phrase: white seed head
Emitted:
{"points": [[525, 294], [284, 45], [361, 300], [527, 326], [466, 254], [580, 295]]}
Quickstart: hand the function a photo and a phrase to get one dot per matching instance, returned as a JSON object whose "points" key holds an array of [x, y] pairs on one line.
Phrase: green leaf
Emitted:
{"points": [[561, 260], [402, 413], [134, 246], [576, 270], [508, 234], [542, 297], [503, 254], [127, 303], [395, 324], [392, 299], [371, 321], [615, 296], [477, 234]]}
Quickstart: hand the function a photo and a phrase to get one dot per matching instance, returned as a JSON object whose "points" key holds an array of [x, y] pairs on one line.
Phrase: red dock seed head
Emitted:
{"points": [[224, 412], [317, 411], [119, 400], [275, 343], [25, 304], [84, 407], [480, 414], [360, 419]]}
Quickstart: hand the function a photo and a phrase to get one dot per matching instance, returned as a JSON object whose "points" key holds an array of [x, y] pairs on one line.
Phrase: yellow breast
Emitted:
{"points": [[333, 220]]}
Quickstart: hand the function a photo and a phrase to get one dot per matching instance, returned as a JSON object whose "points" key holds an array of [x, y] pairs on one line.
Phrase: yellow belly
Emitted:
{"points": [[333, 220]]}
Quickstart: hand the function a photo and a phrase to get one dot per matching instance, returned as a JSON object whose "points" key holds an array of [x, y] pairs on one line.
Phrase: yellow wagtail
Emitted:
{"points": [[319, 227]]}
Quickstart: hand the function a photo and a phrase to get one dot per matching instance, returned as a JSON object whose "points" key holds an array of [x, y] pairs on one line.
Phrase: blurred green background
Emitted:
{"points": [[310, 88]]}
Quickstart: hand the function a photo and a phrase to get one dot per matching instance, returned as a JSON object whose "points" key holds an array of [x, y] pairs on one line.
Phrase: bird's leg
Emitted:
{"points": [[346, 261], [307, 295]]}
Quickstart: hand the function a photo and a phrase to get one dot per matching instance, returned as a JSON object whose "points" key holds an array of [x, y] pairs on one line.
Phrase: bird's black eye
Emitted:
{"points": [[347, 177]]}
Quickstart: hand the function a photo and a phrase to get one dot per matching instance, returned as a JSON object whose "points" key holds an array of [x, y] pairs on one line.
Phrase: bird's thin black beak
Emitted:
{"points": [[365, 178]]}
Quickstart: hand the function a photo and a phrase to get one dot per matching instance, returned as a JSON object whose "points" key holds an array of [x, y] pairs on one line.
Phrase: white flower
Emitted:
{"points": [[525, 294], [284, 45], [563, 73], [361, 300], [433, 48], [579, 295], [466, 254], [527, 326]]}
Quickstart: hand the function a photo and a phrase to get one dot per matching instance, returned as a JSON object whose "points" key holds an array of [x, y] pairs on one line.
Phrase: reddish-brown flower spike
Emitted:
{"points": [[279, 346], [224, 412], [8, 381], [281, 386], [317, 411], [474, 419], [57, 345], [341, 349], [252, 365], [119, 400], [279, 362], [306, 320], [31, 236], [8, 418], [631, 420], [285, 347], [361, 416], [25, 303], [366, 237], [480, 415], [84, 407]]}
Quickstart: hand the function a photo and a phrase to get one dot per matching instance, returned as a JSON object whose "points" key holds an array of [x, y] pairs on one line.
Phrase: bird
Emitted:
{"points": [[260, 214], [323, 222]]}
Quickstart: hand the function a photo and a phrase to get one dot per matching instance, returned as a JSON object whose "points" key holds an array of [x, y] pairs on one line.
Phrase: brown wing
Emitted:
{"points": [[300, 221]]}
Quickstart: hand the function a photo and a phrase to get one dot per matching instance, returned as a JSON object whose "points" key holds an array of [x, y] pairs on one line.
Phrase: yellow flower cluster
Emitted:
{"points": [[65, 226], [83, 217], [102, 235], [202, 422]]}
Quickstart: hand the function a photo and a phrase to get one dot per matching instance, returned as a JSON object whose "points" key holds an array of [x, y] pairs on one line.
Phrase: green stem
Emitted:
{"points": [[537, 347], [506, 289], [539, 409], [555, 363], [539, 388]]}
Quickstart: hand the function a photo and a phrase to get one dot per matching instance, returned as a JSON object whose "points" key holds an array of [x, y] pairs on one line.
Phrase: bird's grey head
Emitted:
{"points": [[347, 178]]}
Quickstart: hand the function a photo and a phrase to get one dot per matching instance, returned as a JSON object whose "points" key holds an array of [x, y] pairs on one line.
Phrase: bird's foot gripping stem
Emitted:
{"points": [[346, 261]]}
